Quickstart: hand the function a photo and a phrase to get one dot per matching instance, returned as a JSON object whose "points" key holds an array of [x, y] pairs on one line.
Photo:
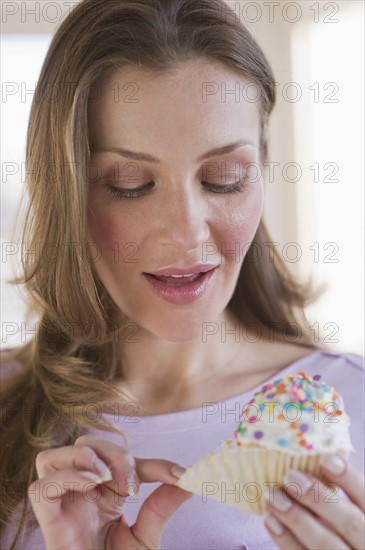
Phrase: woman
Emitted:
{"points": [[156, 290]]}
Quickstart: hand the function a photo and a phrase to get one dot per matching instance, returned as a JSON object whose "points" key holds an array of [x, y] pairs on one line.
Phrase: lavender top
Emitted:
{"points": [[185, 436]]}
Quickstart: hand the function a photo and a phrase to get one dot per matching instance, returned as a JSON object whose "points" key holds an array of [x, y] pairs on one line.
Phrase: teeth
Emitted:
{"points": [[180, 276]]}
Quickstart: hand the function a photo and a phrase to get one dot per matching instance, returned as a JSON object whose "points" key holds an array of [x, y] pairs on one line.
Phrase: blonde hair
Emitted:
{"points": [[60, 366]]}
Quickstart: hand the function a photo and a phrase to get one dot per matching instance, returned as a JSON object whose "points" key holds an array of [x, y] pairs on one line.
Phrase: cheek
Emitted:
{"points": [[240, 222], [104, 229], [116, 235]]}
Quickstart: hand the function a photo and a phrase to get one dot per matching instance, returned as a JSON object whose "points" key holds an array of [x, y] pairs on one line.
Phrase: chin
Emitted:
{"points": [[178, 334], [172, 329]]}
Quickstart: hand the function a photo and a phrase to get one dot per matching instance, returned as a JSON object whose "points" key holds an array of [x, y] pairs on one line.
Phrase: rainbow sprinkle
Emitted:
{"points": [[295, 393]]}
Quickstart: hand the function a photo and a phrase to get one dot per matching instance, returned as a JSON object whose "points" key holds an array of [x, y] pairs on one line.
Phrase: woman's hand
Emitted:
{"points": [[317, 517], [79, 496]]}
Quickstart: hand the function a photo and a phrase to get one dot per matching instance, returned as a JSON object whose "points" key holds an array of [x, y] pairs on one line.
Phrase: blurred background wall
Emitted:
{"points": [[314, 179]]}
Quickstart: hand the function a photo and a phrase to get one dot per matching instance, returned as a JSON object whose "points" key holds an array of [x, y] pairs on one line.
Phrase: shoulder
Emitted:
{"points": [[338, 365]]}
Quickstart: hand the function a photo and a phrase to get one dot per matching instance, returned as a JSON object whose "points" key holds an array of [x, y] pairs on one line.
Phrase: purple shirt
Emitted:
{"points": [[185, 436]]}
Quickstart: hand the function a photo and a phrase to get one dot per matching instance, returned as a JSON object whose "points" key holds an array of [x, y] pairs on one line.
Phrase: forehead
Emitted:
{"points": [[195, 99]]}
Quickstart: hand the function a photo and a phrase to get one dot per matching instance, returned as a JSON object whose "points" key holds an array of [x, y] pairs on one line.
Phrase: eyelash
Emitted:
{"points": [[236, 187]]}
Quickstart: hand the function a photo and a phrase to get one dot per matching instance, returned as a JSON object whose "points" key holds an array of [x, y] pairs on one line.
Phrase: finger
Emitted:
{"points": [[155, 512], [344, 474], [117, 458], [46, 494], [150, 470], [339, 515], [78, 458], [302, 523], [280, 534]]}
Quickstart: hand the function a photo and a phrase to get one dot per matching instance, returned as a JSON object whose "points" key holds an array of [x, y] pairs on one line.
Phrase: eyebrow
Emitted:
{"points": [[133, 155]]}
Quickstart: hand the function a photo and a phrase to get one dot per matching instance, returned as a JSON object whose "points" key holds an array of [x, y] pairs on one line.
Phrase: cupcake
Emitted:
{"points": [[288, 424]]}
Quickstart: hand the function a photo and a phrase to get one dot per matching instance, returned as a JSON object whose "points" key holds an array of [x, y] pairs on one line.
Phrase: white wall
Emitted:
{"points": [[305, 46]]}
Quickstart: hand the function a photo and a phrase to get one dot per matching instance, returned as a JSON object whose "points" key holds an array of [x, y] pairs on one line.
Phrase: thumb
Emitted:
{"points": [[155, 512]]}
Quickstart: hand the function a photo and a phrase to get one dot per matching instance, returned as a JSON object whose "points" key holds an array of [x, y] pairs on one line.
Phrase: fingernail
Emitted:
{"points": [[132, 489], [293, 476], [132, 477], [92, 476], [279, 501], [132, 483], [177, 470], [275, 525], [103, 470], [130, 460], [333, 463]]}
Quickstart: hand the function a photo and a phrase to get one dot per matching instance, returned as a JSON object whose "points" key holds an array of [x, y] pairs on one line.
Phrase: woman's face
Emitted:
{"points": [[171, 204]]}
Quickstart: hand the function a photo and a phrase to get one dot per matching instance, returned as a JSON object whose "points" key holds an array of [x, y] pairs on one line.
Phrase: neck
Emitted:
{"points": [[165, 376], [160, 365]]}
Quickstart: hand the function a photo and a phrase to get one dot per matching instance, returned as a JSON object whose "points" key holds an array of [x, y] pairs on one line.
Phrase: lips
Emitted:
{"points": [[178, 280], [180, 270], [181, 288]]}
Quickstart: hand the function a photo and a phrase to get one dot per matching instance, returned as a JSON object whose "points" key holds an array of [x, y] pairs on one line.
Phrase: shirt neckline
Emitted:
{"points": [[189, 417]]}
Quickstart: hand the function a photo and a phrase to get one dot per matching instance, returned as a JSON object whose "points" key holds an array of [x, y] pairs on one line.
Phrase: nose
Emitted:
{"points": [[183, 217]]}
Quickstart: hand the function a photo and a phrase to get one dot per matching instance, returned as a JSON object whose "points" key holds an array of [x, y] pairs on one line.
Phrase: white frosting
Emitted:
{"points": [[300, 418]]}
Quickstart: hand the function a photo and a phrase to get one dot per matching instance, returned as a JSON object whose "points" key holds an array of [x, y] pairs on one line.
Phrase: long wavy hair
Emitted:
{"points": [[63, 366]]}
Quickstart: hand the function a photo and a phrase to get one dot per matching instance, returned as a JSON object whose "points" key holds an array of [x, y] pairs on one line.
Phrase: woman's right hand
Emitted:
{"points": [[78, 507]]}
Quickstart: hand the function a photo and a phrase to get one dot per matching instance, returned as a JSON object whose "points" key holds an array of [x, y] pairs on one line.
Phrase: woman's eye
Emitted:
{"points": [[129, 193], [236, 187]]}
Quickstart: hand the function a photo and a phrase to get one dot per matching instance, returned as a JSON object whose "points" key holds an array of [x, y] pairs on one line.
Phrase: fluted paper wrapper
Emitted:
{"points": [[240, 476]]}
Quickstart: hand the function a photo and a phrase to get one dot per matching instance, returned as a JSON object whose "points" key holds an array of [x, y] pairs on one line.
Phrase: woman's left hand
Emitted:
{"points": [[310, 515]]}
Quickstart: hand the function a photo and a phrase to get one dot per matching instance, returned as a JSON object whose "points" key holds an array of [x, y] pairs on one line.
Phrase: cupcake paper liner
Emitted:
{"points": [[241, 475]]}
